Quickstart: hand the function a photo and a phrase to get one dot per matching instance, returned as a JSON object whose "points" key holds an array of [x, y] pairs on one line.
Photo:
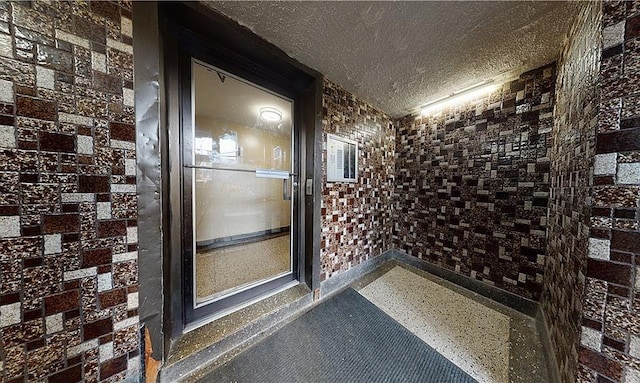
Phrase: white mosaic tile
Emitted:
{"points": [[591, 338], [629, 174], [7, 136], [6, 91], [106, 351], [133, 364], [9, 226], [471, 335], [10, 314], [132, 234], [132, 301], [125, 323], [85, 145], [605, 164], [103, 210], [105, 282], [613, 35], [130, 256], [634, 346], [82, 347], [117, 144], [45, 78], [6, 47], [82, 273], [599, 248], [77, 197], [123, 188], [54, 323], [130, 167], [99, 62], [631, 375], [119, 46], [52, 244], [128, 97], [73, 39], [75, 119], [126, 26]]}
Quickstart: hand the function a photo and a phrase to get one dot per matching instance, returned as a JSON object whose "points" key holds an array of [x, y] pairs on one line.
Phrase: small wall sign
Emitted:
{"points": [[342, 159]]}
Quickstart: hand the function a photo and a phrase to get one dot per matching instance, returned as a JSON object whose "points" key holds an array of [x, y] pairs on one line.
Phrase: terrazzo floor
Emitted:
{"points": [[226, 269], [490, 342]]}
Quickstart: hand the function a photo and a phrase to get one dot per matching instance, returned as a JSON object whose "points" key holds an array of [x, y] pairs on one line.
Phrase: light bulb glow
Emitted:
{"points": [[270, 114], [436, 107]]}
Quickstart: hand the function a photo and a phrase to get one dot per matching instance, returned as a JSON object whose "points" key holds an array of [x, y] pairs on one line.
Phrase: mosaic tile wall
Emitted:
{"points": [[571, 156], [472, 184], [610, 340], [356, 217], [68, 252]]}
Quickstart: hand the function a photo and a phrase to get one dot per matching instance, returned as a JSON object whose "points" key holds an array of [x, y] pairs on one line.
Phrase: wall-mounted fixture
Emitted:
{"points": [[270, 114], [469, 93]]}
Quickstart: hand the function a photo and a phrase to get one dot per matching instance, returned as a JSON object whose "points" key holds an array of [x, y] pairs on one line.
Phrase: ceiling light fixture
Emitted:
{"points": [[466, 94], [270, 114]]}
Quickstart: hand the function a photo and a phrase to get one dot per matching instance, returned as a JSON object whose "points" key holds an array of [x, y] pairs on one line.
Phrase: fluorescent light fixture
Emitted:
{"points": [[270, 114], [474, 91]]}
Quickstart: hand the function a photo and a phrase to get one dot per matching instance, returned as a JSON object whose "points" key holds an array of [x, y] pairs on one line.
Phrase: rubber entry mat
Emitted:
{"points": [[345, 339]]}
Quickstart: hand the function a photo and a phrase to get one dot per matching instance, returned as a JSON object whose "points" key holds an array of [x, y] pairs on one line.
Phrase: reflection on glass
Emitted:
{"points": [[242, 223]]}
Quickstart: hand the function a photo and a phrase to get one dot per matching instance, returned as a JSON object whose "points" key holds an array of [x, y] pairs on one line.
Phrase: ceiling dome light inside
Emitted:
{"points": [[270, 114]]}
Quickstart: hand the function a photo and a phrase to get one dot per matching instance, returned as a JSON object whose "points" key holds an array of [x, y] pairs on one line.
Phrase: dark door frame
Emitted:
{"points": [[192, 314], [158, 223], [191, 29]]}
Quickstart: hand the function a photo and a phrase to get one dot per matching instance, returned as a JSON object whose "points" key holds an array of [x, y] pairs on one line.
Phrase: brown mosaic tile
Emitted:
{"points": [[122, 132], [94, 184], [96, 257], [572, 153], [53, 142], [626, 241], [97, 329], [55, 198], [112, 228], [36, 108], [60, 223], [620, 141], [90, 30], [112, 298], [609, 272], [475, 200], [62, 302], [357, 215]]}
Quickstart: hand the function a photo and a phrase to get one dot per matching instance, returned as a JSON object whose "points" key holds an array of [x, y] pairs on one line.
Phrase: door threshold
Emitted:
{"points": [[204, 321], [207, 340]]}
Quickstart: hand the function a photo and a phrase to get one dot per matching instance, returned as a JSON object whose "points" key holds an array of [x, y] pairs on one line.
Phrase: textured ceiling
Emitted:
{"points": [[400, 55]]}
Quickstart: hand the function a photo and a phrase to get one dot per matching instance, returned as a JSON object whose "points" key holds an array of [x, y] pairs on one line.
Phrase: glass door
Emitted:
{"points": [[238, 187]]}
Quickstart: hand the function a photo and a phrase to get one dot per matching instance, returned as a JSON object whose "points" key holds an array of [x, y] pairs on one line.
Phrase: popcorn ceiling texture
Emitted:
{"points": [[356, 217], [400, 55], [68, 238], [472, 184]]}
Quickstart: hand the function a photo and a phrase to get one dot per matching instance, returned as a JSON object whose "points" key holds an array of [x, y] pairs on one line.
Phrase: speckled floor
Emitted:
{"points": [[230, 268], [473, 336], [490, 342]]}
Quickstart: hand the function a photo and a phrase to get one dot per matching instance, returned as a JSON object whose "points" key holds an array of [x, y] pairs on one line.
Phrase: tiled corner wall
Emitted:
{"points": [[571, 154], [68, 240], [356, 217], [472, 184], [610, 340]]}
